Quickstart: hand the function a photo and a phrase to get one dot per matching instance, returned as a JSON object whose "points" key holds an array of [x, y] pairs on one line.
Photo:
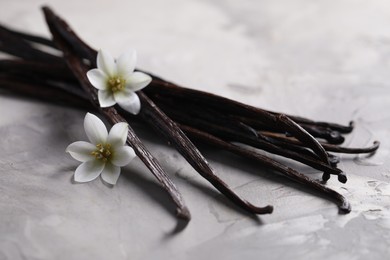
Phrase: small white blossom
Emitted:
{"points": [[105, 153], [117, 82]]}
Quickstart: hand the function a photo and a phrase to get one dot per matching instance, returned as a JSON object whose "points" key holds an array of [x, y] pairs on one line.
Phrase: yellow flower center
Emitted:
{"points": [[103, 152], [116, 84]]}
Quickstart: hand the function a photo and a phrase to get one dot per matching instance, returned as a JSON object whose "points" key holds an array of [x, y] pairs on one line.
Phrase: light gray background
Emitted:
{"points": [[327, 60]]}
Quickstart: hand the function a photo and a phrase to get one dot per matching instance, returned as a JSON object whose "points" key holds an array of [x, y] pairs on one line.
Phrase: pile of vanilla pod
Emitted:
{"points": [[182, 116]]}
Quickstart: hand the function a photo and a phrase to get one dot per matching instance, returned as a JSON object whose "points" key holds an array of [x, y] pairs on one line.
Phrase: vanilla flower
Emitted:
{"points": [[117, 82], [105, 154]]}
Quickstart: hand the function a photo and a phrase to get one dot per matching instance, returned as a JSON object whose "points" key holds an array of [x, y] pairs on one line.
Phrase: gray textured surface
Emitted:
{"points": [[327, 60]]}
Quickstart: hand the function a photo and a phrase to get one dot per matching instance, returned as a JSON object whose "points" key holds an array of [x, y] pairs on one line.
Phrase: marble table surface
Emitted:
{"points": [[326, 60]]}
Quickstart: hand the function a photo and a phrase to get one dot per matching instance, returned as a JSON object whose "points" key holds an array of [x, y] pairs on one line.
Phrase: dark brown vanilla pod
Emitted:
{"points": [[221, 126], [45, 70], [79, 69], [342, 202], [324, 130], [29, 37], [151, 114], [225, 105], [336, 127], [328, 147], [12, 44], [40, 91]]}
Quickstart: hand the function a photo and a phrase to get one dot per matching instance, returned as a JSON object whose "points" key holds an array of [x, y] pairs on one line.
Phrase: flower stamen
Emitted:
{"points": [[102, 152], [116, 84]]}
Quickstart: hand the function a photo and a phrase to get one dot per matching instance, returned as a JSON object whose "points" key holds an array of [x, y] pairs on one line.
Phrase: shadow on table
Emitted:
{"points": [[155, 192]]}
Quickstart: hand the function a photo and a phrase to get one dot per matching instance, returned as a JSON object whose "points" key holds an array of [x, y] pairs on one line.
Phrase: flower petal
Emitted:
{"points": [[126, 62], [122, 156], [118, 134], [106, 63], [95, 129], [128, 100], [81, 151], [88, 171], [110, 173], [138, 80], [97, 78], [106, 98]]}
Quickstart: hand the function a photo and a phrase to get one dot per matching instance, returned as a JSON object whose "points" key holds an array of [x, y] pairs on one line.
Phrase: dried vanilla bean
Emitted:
{"points": [[214, 123], [12, 44], [151, 114], [45, 70], [328, 147], [268, 162], [232, 107], [331, 135], [29, 37], [41, 91]]}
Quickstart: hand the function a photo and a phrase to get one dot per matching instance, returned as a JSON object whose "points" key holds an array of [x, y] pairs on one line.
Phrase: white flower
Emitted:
{"points": [[117, 82], [105, 154]]}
